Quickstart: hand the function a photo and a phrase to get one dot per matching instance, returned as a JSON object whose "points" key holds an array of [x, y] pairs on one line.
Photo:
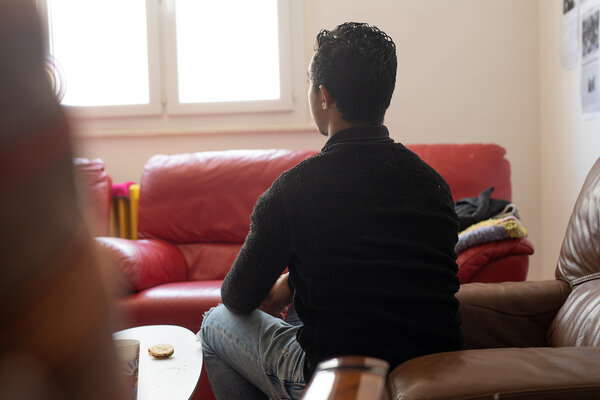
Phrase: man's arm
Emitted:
{"points": [[263, 257], [279, 297]]}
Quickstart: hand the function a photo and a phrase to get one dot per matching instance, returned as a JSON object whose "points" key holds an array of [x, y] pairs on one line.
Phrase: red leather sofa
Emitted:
{"points": [[194, 214]]}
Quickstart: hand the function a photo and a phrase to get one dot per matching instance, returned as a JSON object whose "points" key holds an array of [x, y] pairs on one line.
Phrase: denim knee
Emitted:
{"points": [[206, 321]]}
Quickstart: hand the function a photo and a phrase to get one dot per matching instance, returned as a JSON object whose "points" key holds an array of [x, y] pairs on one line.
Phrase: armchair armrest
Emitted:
{"points": [[540, 373], [348, 378], [146, 263], [509, 314]]}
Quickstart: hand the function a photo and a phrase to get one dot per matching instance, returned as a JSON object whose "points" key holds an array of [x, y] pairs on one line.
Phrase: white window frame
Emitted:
{"points": [[154, 106], [284, 103], [162, 72]]}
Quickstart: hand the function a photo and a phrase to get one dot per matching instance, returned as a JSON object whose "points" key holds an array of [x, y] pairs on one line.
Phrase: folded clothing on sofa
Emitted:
{"points": [[472, 210], [490, 230]]}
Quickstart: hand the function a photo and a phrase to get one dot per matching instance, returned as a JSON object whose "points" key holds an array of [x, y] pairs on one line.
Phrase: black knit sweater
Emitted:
{"points": [[368, 231]]}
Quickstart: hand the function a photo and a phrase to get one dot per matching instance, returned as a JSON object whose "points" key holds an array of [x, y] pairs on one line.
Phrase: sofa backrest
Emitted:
{"points": [[469, 168], [202, 201], [578, 321], [208, 196]]}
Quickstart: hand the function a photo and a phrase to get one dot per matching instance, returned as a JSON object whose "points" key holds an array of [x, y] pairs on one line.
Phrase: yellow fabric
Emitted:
{"points": [[123, 217], [134, 201], [124, 214], [514, 228]]}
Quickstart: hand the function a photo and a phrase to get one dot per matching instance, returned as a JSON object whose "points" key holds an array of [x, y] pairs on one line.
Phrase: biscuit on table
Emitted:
{"points": [[162, 350]]}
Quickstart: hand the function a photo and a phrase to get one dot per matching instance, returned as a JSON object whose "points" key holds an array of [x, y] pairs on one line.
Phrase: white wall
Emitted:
{"points": [[468, 72], [569, 144]]}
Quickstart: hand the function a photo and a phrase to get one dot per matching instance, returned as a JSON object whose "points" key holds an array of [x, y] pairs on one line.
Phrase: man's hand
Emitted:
{"points": [[279, 297]]}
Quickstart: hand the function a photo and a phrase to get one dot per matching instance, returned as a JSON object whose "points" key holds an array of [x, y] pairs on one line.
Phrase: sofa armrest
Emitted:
{"points": [[146, 263], [94, 192], [540, 373], [509, 314], [348, 378], [473, 261]]}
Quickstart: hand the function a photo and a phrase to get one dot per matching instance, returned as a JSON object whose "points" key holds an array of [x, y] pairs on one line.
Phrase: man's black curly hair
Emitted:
{"points": [[357, 64]]}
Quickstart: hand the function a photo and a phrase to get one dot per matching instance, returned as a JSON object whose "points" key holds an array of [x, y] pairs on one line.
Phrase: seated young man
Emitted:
{"points": [[366, 228]]}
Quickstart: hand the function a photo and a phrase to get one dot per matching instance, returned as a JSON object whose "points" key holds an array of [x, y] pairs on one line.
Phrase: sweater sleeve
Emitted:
{"points": [[263, 257]]}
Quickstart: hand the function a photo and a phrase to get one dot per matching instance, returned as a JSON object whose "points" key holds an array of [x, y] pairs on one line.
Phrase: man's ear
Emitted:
{"points": [[326, 99]]}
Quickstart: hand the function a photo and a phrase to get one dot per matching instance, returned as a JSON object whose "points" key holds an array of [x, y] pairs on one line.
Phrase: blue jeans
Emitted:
{"points": [[251, 356]]}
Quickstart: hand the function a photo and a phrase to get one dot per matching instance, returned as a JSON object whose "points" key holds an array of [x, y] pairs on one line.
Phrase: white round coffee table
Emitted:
{"points": [[173, 378]]}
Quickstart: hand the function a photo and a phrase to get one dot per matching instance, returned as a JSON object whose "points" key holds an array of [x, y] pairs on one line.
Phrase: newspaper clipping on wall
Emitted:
{"points": [[570, 38], [590, 58]]}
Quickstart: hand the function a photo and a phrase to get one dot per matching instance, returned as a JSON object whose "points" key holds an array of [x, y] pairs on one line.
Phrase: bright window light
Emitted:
{"points": [[227, 50], [102, 48]]}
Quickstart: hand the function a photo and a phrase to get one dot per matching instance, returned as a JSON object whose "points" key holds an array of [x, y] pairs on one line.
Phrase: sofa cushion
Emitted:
{"points": [[179, 303], [579, 255], [469, 168], [577, 322], [508, 373], [146, 263], [207, 197], [208, 261]]}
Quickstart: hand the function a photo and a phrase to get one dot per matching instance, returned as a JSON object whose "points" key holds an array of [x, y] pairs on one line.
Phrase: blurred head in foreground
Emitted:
{"points": [[55, 330]]}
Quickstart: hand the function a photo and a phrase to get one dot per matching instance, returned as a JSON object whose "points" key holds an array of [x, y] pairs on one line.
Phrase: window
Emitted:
{"points": [[104, 55], [171, 57]]}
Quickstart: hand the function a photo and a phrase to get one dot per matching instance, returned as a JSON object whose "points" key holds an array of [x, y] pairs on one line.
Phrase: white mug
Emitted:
{"points": [[128, 351]]}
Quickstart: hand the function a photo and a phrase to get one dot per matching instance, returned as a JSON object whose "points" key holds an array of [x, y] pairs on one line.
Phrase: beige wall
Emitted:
{"points": [[569, 144], [468, 72]]}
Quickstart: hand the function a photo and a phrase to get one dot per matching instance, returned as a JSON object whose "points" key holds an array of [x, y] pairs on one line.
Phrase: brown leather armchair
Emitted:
{"points": [[534, 340]]}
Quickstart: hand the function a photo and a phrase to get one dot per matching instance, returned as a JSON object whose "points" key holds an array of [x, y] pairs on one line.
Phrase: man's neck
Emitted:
{"points": [[339, 124]]}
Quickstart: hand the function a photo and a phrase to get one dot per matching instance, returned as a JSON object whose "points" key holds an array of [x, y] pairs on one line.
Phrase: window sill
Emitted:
{"points": [[193, 131]]}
